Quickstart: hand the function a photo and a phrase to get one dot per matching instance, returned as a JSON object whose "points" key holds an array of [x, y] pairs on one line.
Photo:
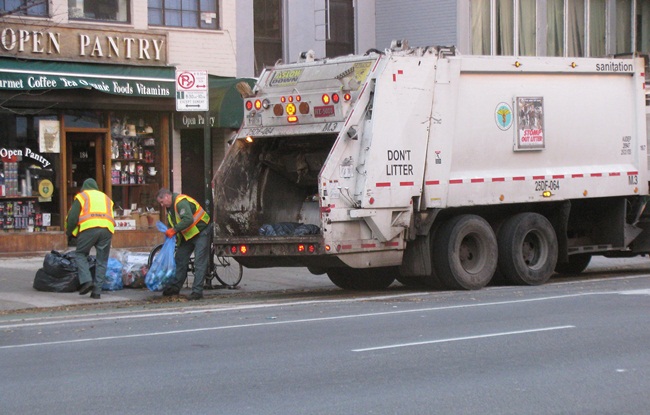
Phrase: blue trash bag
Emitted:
{"points": [[163, 268], [113, 280]]}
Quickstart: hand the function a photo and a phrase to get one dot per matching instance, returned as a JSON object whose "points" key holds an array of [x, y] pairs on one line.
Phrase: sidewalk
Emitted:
{"points": [[17, 276]]}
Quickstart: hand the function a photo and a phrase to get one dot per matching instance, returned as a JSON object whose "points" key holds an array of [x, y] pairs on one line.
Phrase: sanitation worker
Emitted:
{"points": [[91, 221], [190, 224]]}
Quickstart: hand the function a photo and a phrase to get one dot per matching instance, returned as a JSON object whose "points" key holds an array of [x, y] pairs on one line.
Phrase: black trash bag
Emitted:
{"points": [[64, 283], [285, 228], [58, 265], [306, 229], [267, 230]]}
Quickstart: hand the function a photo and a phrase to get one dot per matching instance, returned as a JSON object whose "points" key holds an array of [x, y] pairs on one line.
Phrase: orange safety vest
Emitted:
{"points": [[199, 215], [96, 211]]}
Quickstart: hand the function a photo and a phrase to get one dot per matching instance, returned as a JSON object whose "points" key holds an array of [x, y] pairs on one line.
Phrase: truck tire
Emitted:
{"points": [[465, 253], [362, 279], [527, 249], [577, 264]]}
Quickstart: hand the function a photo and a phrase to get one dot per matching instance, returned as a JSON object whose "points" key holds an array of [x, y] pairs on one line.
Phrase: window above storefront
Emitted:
{"points": [[24, 7], [195, 14], [104, 10]]}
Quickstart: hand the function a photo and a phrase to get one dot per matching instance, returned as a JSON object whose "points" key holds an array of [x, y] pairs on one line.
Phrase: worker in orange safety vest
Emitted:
{"points": [[90, 220]]}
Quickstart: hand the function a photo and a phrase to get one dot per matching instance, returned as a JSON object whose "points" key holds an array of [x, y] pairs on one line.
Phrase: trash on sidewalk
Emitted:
{"points": [[59, 273]]}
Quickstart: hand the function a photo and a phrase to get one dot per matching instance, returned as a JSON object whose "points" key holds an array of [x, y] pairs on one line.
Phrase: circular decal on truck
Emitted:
{"points": [[503, 116]]}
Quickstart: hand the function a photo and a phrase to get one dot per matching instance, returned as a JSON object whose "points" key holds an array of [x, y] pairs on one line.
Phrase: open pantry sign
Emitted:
{"points": [[191, 90]]}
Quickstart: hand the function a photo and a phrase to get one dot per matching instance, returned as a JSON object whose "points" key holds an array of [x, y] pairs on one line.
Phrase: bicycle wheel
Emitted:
{"points": [[228, 271], [153, 254]]}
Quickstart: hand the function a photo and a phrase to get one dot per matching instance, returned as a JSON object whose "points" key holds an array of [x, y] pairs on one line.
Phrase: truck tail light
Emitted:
{"points": [[335, 98], [310, 248], [303, 108], [347, 96], [258, 104], [292, 118], [241, 249], [326, 99], [278, 110], [249, 105]]}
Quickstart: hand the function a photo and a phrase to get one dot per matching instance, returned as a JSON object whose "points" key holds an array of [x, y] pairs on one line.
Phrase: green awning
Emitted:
{"points": [[134, 81], [226, 105]]}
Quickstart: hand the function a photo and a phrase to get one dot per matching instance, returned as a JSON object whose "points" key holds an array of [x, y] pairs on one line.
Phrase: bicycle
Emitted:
{"points": [[225, 269]]}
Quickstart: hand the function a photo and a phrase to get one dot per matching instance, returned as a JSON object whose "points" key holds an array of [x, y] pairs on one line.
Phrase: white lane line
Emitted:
{"points": [[298, 303], [455, 339]]}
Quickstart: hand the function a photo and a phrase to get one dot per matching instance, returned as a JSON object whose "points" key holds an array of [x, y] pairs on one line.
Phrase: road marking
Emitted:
{"points": [[455, 339], [96, 318]]}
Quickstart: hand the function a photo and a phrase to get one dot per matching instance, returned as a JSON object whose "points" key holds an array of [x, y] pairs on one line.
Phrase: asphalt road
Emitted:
{"points": [[571, 347]]}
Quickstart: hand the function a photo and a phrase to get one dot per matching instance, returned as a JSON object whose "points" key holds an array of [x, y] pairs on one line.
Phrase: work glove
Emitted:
{"points": [[170, 233]]}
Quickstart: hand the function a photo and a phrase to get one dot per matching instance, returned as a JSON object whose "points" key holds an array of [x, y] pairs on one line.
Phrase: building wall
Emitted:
{"points": [[421, 22]]}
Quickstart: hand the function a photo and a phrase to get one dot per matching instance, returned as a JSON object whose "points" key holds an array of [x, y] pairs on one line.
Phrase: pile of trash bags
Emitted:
{"points": [[59, 272]]}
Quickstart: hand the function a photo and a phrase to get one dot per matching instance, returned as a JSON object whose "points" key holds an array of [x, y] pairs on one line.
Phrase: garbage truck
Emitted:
{"points": [[425, 166]]}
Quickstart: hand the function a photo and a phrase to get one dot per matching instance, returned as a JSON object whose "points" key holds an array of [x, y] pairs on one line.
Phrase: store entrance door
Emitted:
{"points": [[192, 164], [84, 160]]}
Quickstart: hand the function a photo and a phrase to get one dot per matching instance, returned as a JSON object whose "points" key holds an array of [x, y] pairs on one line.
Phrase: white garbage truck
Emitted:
{"points": [[432, 168]]}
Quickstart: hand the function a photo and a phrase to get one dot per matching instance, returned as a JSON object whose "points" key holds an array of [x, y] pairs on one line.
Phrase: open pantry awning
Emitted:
{"points": [[135, 81]]}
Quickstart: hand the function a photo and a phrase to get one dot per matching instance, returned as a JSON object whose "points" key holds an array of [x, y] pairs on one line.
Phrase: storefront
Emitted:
{"points": [[80, 102], [64, 122]]}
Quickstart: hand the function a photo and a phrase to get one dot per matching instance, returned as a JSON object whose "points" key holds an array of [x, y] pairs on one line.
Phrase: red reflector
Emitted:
{"points": [[233, 249], [335, 98], [325, 209], [311, 249], [243, 249], [301, 248], [292, 118]]}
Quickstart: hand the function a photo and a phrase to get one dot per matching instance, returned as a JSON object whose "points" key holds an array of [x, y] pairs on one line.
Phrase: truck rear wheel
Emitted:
{"points": [[527, 249], [577, 264], [362, 279], [465, 253]]}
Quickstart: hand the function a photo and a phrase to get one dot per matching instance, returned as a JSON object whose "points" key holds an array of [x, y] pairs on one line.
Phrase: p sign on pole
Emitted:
{"points": [[191, 90]]}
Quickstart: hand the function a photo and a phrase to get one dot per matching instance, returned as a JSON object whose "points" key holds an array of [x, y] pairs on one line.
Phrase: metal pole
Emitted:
{"points": [[207, 166]]}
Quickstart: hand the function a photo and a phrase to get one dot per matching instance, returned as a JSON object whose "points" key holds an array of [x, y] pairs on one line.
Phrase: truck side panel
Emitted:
{"points": [[588, 148]]}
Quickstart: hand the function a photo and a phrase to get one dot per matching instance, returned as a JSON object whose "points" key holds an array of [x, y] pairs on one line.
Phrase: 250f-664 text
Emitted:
{"points": [[542, 185]]}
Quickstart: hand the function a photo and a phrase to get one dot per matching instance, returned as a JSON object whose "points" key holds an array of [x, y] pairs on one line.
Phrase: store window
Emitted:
{"points": [[341, 28], [29, 162], [197, 14], [104, 10], [571, 27], [555, 28], [136, 149], [268, 33], [624, 26], [37, 8]]}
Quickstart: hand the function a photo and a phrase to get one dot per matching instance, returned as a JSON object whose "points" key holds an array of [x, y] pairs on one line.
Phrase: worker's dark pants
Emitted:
{"points": [[100, 238], [200, 245]]}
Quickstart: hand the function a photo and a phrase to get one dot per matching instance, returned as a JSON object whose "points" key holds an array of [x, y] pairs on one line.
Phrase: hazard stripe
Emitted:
{"points": [[523, 178]]}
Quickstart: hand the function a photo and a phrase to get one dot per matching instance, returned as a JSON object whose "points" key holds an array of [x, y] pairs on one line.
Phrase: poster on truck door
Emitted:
{"points": [[530, 123]]}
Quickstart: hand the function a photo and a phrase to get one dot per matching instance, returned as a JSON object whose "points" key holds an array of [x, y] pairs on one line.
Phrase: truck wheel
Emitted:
{"points": [[577, 264], [362, 279], [465, 253], [527, 249]]}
